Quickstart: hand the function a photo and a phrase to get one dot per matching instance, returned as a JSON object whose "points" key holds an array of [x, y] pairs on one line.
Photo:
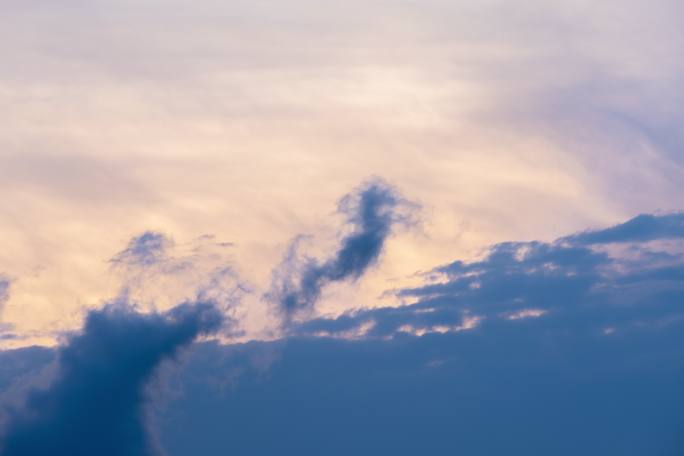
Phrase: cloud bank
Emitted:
{"points": [[596, 282], [565, 347]]}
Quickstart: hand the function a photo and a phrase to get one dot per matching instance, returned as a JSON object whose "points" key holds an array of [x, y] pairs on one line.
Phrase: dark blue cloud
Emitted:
{"points": [[573, 280], [567, 347], [520, 388], [17, 363], [578, 350], [371, 211], [144, 250], [96, 404], [643, 228], [514, 389], [5, 284]]}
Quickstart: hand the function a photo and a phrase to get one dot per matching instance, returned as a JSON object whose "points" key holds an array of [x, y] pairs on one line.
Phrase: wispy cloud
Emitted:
{"points": [[4, 292], [155, 271], [144, 250], [372, 212], [5, 284]]}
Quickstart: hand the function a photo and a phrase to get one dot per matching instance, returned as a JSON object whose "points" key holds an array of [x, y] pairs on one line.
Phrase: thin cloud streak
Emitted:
{"points": [[372, 212]]}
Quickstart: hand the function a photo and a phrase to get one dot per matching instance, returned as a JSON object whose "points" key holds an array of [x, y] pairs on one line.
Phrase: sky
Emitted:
{"points": [[350, 227]]}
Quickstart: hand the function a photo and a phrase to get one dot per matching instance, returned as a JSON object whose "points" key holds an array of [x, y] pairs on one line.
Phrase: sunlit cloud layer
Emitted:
{"points": [[248, 120]]}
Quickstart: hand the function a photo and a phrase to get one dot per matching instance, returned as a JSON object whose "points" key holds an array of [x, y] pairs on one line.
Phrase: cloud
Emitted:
{"points": [[645, 227], [5, 284], [583, 129], [608, 280], [156, 272], [566, 347], [371, 211], [514, 389], [145, 249], [96, 404], [4, 292]]}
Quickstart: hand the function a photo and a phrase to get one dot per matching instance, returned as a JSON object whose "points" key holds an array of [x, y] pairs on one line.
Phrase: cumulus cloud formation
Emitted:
{"points": [[96, 404], [372, 211], [602, 282]]}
